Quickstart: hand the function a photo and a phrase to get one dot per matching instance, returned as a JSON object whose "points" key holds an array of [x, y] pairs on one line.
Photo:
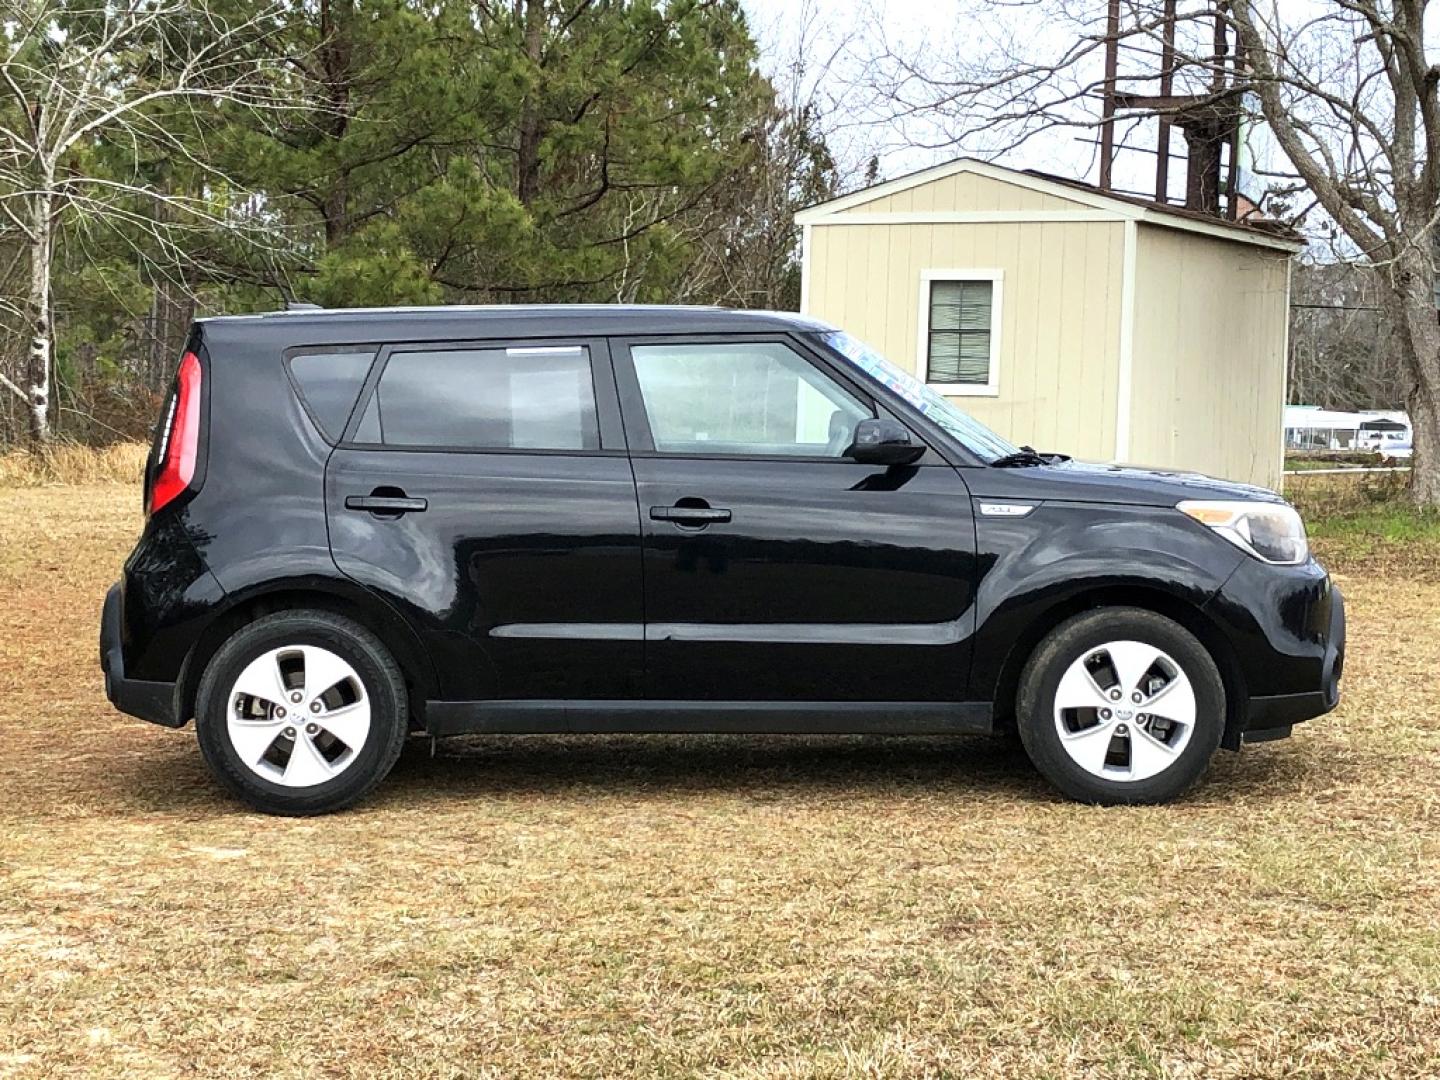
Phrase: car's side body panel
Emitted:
{"points": [[256, 528], [522, 571], [796, 716], [261, 512]]}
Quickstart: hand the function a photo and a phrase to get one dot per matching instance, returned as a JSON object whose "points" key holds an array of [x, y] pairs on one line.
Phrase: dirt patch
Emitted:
{"points": [[704, 906]]}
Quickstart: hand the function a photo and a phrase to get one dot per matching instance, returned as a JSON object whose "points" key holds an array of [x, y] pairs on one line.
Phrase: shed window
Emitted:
{"points": [[960, 330]]}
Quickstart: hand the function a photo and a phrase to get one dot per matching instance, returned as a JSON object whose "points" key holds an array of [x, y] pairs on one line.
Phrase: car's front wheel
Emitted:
{"points": [[301, 712], [1121, 705]]}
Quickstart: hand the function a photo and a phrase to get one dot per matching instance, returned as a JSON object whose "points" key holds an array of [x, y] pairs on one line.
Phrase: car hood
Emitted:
{"points": [[1080, 481]]}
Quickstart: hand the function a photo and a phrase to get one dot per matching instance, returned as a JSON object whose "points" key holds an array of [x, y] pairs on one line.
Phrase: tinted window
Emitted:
{"points": [[329, 384], [743, 398], [524, 398]]}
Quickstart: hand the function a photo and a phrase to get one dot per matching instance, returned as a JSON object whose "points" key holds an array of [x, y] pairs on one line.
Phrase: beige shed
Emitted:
{"points": [[1067, 318]]}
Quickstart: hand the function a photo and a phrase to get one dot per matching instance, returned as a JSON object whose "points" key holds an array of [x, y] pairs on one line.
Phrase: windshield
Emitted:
{"points": [[964, 428]]}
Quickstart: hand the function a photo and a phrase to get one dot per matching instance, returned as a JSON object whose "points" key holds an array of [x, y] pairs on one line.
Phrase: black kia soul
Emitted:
{"points": [[362, 524]]}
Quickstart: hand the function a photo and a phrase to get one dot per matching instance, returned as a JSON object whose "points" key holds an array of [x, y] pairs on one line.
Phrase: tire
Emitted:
{"points": [[328, 745], [1066, 693]]}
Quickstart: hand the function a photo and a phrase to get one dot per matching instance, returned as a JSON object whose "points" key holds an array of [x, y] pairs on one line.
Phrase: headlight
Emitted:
{"points": [[1272, 532]]}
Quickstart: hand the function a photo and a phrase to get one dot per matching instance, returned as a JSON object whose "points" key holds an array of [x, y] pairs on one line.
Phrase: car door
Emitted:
{"points": [[484, 488], [776, 569]]}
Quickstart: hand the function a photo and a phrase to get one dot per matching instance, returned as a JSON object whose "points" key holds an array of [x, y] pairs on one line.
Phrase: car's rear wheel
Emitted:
{"points": [[301, 712], [1121, 705]]}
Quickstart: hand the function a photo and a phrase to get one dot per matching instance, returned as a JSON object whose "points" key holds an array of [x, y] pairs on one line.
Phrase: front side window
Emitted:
{"points": [[743, 398], [959, 333], [520, 398]]}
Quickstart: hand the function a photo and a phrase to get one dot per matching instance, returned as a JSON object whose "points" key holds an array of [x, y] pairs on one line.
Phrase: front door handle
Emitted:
{"points": [[385, 504], [689, 515]]}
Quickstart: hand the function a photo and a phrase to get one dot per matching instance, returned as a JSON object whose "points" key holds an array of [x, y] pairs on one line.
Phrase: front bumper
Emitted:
{"points": [[1272, 716], [153, 701]]}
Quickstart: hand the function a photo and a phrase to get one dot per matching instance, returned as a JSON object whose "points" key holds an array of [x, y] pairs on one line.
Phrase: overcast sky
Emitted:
{"points": [[834, 35]]}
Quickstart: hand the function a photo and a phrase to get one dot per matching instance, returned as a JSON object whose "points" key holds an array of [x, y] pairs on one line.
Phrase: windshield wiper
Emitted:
{"points": [[1022, 458]]}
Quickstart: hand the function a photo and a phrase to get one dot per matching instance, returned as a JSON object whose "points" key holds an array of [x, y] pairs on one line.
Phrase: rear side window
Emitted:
{"points": [[329, 383], [522, 398]]}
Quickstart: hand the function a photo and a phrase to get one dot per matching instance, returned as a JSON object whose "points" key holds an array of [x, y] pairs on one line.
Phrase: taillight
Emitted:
{"points": [[178, 448]]}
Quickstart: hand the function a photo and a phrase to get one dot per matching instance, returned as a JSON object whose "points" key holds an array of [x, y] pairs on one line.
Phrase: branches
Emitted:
{"points": [[11, 386], [63, 67], [1315, 162], [80, 83], [1346, 89]]}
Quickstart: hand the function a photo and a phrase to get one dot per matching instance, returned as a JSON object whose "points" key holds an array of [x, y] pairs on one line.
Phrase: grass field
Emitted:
{"points": [[708, 907]]}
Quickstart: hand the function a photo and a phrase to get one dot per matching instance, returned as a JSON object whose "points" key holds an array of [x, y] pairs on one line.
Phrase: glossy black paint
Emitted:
{"points": [[826, 580], [1112, 485], [595, 590], [1064, 556], [513, 574], [860, 589], [1287, 625], [153, 701], [883, 441]]}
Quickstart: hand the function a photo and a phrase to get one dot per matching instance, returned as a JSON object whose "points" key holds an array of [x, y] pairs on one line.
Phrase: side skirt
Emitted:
{"points": [[710, 717]]}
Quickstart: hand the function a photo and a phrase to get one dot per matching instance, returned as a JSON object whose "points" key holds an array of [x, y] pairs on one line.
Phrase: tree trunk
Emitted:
{"points": [[37, 318], [527, 164], [1410, 309], [337, 19]]}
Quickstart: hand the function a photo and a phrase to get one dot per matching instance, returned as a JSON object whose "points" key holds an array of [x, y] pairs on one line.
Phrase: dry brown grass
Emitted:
{"points": [[707, 907], [71, 463]]}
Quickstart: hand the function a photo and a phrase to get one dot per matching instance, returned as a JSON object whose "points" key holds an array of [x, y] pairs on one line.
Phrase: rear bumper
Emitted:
{"points": [[153, 701]]}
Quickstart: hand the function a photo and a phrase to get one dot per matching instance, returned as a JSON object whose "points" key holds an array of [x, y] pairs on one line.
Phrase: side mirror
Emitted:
{"points": [[883, 442]]}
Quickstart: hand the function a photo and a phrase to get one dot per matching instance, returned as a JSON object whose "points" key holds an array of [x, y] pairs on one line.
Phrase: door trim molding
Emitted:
{"points": [[950, 632], [543, 716]]}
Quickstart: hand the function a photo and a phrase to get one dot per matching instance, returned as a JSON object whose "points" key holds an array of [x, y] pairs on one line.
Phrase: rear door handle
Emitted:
{"points": [[385, 504], [689, 515]]}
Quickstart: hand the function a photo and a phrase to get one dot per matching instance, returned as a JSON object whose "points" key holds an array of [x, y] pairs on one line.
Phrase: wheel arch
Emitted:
{"points": [[319, 594], [1148, 598]]}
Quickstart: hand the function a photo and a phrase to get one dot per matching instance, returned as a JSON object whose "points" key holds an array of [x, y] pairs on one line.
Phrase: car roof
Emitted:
{"points": [[312, 325]]}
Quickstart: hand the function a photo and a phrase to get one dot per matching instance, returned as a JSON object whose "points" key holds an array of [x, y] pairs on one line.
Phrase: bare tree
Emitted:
{"points": [[1350, 96], [133, 74]]}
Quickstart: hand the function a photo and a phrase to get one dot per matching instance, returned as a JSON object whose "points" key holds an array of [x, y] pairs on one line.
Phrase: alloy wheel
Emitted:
{"points": [[1125, 711], [298, 715]]}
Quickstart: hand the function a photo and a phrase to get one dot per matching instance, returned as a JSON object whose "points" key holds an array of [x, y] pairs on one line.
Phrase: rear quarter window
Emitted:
{"points": [[328, 384]]}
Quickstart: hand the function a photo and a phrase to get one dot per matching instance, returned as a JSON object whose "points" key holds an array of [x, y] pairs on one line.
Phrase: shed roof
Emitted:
{"points": [[1259, 232]]}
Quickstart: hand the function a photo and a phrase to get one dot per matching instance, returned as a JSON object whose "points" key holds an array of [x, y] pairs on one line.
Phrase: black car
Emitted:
{"points": [[362, 524]]}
